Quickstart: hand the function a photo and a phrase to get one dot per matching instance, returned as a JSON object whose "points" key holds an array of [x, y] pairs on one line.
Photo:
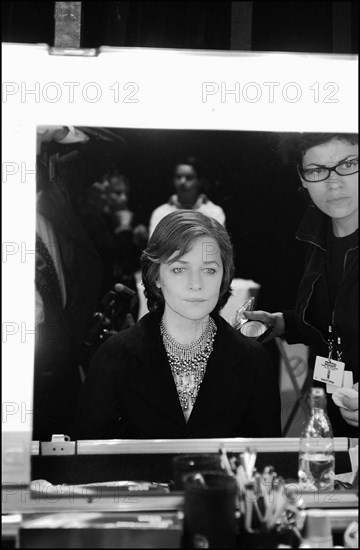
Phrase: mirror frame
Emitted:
{"points": [[134, 88]]}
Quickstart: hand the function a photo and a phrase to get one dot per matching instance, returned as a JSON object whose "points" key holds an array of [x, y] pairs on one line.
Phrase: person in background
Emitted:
{"points": [[130, 236], [114, 194], [189, 180], [69, 272], [106, 215], [326, 314], [181, 371]]}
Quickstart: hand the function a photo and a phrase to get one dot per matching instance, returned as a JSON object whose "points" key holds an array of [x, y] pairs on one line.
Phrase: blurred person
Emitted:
{"points": [[189, 180], [69, 272], [119, 209], [110, 197], [181, 371], [326, 314]]}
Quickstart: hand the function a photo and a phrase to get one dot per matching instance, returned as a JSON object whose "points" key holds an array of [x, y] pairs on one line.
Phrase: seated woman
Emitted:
{"points": [[181, 371]]}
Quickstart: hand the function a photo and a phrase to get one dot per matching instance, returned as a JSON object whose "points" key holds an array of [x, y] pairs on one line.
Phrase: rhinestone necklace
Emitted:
{"points": [[188, 361]]}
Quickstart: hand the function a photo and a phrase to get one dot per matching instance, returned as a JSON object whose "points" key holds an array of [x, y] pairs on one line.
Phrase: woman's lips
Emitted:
{"points": [[338, 201]]}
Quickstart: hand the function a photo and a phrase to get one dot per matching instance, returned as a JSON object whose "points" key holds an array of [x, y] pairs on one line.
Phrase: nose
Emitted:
{"points": [[334, 180], [195, 281]]}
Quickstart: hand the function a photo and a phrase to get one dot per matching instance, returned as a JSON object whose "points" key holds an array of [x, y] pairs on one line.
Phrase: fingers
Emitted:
{"points": [[275, 320], [351, 403], [350, 417], [258, 315]]}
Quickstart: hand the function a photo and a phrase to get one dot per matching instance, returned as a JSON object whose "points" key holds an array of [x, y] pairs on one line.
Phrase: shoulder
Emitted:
{"points": [[236, 346], [213, 210], [246, 358], [158, 214], [133, 341], [163, 209]]}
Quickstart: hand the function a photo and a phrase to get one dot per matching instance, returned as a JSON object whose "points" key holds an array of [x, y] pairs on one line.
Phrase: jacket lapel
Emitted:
{"points": [[219, 388], [153, 380]]}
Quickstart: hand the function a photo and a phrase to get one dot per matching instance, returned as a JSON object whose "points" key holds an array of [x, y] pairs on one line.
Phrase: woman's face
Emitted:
{"points": [[191, 284], [337, 196]]}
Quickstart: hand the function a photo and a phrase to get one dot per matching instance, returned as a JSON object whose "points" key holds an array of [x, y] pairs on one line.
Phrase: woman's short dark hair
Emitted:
{"points": [[309, 140], [177, 232]]}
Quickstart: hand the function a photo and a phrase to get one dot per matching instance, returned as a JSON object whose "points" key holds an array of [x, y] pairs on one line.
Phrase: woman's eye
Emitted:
{"points": [[310, 171], [210, 270], [351, 163], [178, 269]]}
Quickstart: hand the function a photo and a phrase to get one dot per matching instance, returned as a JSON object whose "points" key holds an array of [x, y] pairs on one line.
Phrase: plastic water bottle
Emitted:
{"points": [[317, 530], [316, 456]]}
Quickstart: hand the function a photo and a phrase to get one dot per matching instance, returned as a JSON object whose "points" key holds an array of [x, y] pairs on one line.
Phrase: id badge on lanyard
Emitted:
{"points": [[328, 370]]}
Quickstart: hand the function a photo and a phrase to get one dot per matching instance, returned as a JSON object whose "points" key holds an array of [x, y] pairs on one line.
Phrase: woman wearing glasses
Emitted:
{"points": [[326, 314]]}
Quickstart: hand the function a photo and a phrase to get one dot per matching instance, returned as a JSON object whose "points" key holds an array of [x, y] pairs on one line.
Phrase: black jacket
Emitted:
{"points": [[130, 393], [57, 380], [313, 293]]}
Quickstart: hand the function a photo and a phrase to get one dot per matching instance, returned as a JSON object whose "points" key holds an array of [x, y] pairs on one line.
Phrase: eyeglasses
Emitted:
{"points": [[321, 173]]}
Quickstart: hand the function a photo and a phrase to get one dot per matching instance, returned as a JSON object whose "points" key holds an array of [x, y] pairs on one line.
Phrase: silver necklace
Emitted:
{"points": [[188, 361]]}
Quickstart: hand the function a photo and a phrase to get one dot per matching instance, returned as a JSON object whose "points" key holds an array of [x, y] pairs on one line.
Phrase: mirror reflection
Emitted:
{"points": [[108, 197]]}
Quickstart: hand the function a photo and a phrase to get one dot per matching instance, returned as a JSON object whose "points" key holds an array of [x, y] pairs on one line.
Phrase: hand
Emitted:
{"points": [[60, 134], [351, 413], [276, 320]]}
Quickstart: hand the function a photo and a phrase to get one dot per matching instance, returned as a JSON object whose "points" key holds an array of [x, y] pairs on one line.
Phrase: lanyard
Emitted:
{"points": [[332, 345], [328, 281]]}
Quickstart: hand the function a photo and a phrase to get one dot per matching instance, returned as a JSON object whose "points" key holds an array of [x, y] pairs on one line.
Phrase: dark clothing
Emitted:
{"points": [[64, 172], [82, 265], [130, 392], [320, 304], [58, 349]]}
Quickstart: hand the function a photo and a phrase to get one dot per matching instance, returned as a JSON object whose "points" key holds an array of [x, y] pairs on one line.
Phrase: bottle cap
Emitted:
{"points": [[317, 527]]}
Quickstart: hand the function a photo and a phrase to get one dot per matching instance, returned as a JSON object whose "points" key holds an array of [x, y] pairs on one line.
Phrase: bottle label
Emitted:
{"points": [[329, 371]]}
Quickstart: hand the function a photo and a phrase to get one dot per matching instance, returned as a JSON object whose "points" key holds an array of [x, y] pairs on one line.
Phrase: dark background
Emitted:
{"points": [[322, 27], [250, 175]]}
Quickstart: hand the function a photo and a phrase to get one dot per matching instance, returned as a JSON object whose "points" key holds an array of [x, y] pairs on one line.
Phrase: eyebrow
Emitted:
{"points": [[184, 263], [339, 162]]}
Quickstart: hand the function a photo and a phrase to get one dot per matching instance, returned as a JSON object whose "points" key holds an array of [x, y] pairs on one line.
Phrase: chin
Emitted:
{"points": [[195, 314]]}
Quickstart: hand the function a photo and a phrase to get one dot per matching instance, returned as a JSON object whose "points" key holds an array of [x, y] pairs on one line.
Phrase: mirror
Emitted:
{"points": [[231, 98], [89, 180]]}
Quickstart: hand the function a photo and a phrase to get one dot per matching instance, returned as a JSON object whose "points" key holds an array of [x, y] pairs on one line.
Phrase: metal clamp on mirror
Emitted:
{"points": [[68, 28], [60, 444]]}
